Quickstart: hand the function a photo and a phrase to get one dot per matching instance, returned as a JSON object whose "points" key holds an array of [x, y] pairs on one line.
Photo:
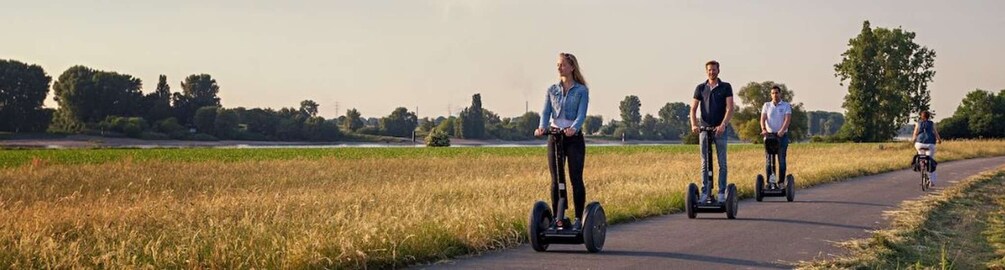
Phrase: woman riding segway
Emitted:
{"points": [[564, 112]]}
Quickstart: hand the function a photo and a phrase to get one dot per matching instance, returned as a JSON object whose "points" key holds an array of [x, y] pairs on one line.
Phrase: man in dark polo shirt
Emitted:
{"points": [[715, 99]]}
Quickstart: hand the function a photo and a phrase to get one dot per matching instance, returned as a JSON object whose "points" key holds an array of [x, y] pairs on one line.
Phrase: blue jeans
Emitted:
{"points": [[720, 153], [783, 146]]}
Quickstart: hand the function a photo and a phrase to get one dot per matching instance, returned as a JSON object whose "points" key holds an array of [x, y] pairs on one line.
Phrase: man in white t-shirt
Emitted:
{"points": [[775, 118]]}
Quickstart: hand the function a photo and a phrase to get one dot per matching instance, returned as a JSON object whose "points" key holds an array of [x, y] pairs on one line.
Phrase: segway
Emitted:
{"points": [[545, 229], [693, 205], [774, 188]]}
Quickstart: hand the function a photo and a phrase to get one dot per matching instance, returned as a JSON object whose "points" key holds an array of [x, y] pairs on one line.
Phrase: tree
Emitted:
{"points": [[822, 123], [159, 102], [747, 119], [980, 114], [528, 122], [674, 120], [887, 75], [309, 108], [448, 126], [630, 114], [471, 122], [261, 121], [352, 121], [226, 123], [648, 128], [426, 125], [401, 123], [592, 124], [88, 96], [197, 91], [205, 119], [23, 89]]}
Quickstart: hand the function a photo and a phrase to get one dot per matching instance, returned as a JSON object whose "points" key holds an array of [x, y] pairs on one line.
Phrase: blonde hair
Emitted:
{"points": [[576, 74]]}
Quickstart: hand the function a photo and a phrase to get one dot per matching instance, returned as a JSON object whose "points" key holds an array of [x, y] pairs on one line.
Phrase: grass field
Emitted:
{"points": [[347, 207], [961, 227]]}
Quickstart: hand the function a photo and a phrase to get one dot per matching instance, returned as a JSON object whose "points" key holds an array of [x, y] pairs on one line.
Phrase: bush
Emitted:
{"points": [[168, 126], [437, 138], [131, 126], [369, 130]]}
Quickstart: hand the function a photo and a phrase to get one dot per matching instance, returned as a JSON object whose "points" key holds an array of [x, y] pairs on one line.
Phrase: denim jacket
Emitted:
{"points": [[575, 104]]}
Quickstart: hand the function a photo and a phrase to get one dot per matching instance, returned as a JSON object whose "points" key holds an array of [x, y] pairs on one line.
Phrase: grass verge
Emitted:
{"points": [[960, 227]]}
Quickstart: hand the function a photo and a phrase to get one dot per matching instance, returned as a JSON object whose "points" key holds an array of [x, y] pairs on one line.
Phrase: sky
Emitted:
{"points": [[433, 55]]}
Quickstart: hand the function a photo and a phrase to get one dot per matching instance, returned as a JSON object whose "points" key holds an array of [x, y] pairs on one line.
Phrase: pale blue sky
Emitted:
{"points": [[378, 55]]}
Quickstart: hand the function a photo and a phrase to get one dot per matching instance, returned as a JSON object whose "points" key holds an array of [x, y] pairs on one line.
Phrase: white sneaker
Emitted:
{"points": [[722, 197], [704, 198]]}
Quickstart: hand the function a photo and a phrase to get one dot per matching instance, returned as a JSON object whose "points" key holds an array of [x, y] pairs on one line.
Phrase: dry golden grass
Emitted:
{"points": [[353, 213], [958, 227]]}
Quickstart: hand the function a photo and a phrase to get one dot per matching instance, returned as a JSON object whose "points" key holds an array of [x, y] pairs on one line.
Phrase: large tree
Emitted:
{"points": [[197, 91], [592, 124], [630, 111], [400, 123], [981, 114], [887, 75], [89, 96], [23, 88], [353, 121], [471, 122], [752, 97], [674, 120], [309, 108], [159, 102]]}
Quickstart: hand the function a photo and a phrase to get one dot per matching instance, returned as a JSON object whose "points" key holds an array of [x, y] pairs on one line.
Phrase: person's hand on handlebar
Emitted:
{"points": [[764, 132], [694, 128], [782, 133], [569, 132], [538, 132], [719, 130]]}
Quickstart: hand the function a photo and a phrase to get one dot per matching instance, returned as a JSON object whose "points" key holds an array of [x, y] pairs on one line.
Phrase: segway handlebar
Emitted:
{"points": [[706, 129]]}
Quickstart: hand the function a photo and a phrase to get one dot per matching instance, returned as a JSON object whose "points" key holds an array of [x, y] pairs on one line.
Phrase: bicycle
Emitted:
{"points": [[923, 163]]}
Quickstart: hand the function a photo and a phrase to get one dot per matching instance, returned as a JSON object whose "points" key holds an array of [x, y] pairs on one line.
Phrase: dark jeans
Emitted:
{"points": [[575, 153], [783, 147]]}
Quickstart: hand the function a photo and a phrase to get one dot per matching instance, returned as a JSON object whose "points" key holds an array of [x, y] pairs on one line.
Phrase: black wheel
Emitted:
{"points": [[732, 202], [540, 219], [758, 186], [594, 227], [790, 188], [924, 181], [690, 200]]}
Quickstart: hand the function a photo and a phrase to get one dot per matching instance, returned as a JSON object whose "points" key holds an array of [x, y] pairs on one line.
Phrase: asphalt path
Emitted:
{"points": [[773, 234]]}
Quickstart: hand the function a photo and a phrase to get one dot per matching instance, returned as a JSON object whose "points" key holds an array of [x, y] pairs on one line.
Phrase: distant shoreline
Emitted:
{"points": [[88, 141]]}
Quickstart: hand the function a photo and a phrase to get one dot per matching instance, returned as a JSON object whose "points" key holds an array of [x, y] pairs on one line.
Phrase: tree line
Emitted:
{"points": [[886, 72]]}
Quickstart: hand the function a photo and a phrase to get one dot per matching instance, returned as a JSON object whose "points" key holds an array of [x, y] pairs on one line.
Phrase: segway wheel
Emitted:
{"points": [[540, 219], [691, 200], [594, 227], [732, 202], [790, 188], [758, 187]]}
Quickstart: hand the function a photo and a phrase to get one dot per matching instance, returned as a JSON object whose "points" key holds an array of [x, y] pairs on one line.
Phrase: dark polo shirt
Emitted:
{"points": [[712, 101]]}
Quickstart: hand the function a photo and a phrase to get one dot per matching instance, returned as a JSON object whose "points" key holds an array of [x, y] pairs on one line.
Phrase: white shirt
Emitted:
{"points": [[775, 114], [561, 122]]}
